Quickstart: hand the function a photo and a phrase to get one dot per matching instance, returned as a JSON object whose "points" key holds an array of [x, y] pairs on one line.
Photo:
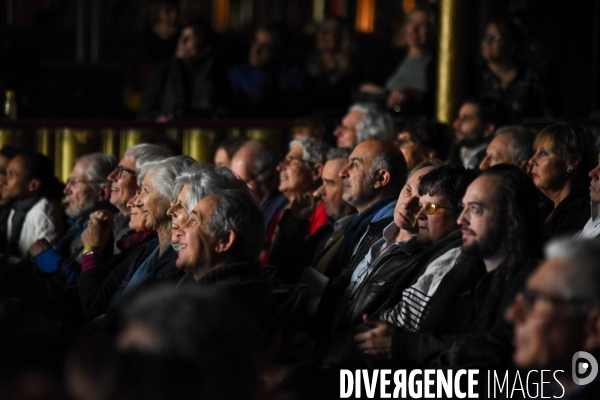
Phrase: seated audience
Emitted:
{"points": [[6, 154], [510, 145], [504, 77], [256, 164], [421, 140], [225, 151], [34, 193], [556, 316], [124, 186], [309, 127], [463, 324], [473, 128], [268, 85], [87, 190], [563, 156], [364, 121], [186, 85], [591, 229], [154, 260], [299, 176]]}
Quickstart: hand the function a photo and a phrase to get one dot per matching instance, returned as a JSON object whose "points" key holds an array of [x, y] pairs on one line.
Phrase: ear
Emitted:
{"points": [[573, 163], [34, 185], [104, 193], [317, 171], [592, 330], [489, 130], [226, 241], [382, 178]]}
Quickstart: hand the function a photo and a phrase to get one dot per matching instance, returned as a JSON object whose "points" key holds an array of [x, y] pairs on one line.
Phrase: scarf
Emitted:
{"points": [[21, 208]]}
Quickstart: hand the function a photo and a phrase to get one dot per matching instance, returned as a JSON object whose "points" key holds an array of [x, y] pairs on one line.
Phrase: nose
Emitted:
{"points": [[171, 212], [485, 163], [281, 166], [456, 123], [421, 214], [320, 191], [515, 312], [595, 173], [112, 176], [344, 172], [337, 132], [462, 220]]}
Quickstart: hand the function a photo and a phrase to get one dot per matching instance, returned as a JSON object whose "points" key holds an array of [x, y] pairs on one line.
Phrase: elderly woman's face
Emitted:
{"points": [[179, 215], [295, 176], [548, 171], [137, 218], [152, 204]]}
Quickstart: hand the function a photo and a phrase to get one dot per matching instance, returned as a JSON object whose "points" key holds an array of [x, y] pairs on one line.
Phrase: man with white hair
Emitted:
{"points": [[591, 230], [87, 190], [124, 185], [364, 121], [510, 145]]}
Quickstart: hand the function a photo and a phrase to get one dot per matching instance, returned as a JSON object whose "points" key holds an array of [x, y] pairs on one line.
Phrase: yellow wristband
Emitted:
{"points": [[87, 250]]}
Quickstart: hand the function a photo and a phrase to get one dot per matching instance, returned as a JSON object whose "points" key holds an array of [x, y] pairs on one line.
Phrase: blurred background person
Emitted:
{"points": [[510, 145], [312, 126], [225, 151], [591, 229], [6, 154], [420, 140], [364, 121], [564, 154]]}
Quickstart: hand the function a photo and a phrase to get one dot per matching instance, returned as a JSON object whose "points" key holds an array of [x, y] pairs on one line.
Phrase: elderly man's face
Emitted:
{"points": [[295, 175], [332, 188], [439, 223], [197, 247], [497, 153], [123, 184], [358, 188], [547, 331], [595, 183], [480, 218], [152, 203], [81, 196], [346, 131], [179, 214]]}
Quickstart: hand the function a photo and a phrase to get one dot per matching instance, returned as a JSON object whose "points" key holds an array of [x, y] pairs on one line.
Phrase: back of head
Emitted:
{"points": [[145, 153], [490, 111], [336, 153], [390, 158], [521, 141], [376, 123], [98, 167], [261, 157], [205, 181], [430, 134], [450, 181], [519, 213]]}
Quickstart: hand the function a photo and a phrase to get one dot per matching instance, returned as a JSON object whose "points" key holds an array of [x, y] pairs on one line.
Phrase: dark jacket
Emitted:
{"points": [[327, 248], [571, 215]]}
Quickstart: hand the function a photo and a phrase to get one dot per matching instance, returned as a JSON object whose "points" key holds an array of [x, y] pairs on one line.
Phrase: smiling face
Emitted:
{"points": [[548, 171], [295, 176], [197, 247], [595, 183], [178, 213], [123, 187], [480, 218], [345, 133], [436, 226], [408, 203], [152, 204], [548, 333], [81, 196], [137, 219]]}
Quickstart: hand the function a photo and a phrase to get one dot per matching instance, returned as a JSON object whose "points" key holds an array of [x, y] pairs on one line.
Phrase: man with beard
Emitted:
{"points": [[500, 228], [87, 190], [473, 128]]}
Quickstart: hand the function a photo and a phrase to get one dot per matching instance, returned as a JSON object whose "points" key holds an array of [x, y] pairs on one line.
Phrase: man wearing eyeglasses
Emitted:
{"points": [[558, 314]]}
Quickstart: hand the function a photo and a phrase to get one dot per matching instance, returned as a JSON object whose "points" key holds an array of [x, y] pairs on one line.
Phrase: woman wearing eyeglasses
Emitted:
{"points": [[504, 77]]}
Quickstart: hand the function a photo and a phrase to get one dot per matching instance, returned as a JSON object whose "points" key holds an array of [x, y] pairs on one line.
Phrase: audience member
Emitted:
{"points": [[256, 164], [299, 177], [364, 121], [87, 190], [6, 154], [504, 77], [555, 317], [268, 85], [35, 213], [510, 145], [473, 128], [421, 140], [309, 127], [186, 85], [563, 156], [225, 151], [591, 229]]}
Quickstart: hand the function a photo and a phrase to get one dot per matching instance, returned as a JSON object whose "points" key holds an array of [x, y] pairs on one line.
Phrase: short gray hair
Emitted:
{"points": [[520, 142], [144, 153], [99, 166], [582, 278], [432, 162], [314, 151], [339, 152], [164, 173], [241, 215], [375, 123]]}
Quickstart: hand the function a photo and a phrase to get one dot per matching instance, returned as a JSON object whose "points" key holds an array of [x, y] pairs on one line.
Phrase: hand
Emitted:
{"points": [[38, 247], [377, 342], [304, 206], [98, 230], [371, 88]]}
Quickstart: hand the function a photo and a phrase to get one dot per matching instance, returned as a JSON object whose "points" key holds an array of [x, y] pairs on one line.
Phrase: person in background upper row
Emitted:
{"points": [[268, 85], [510, 145], [473, 128], [364, 121], [421, 140], [564, 155], [225, 151]]}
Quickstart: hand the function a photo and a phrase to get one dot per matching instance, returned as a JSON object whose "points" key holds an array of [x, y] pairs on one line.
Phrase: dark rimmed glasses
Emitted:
{"points": [[120, 169]]}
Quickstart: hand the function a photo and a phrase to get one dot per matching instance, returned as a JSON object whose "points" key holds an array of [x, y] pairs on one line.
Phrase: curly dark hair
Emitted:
{"points": [[448, 180]]}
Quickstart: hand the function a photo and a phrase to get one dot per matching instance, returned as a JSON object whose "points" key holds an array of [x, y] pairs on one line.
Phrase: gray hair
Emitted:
{"points": [[99, 166], [375, 123], [208, 181], [164, 173], [520, 142], [265, 158], [339, 152], [144, 153], [241, 215], [582, 278], [314, 151], [432, 162], [392, 160]]}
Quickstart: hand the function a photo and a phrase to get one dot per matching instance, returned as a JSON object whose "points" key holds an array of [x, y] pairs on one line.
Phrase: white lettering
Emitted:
{"points": [[504, 383], [370, 385], [428, 382], [517, 379], [444, 383], [534, 384], [385, 382], [346, 377], [400, 383], [472, 383], [557, 381], [412, 384], [457, 392], [357, 385]]}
